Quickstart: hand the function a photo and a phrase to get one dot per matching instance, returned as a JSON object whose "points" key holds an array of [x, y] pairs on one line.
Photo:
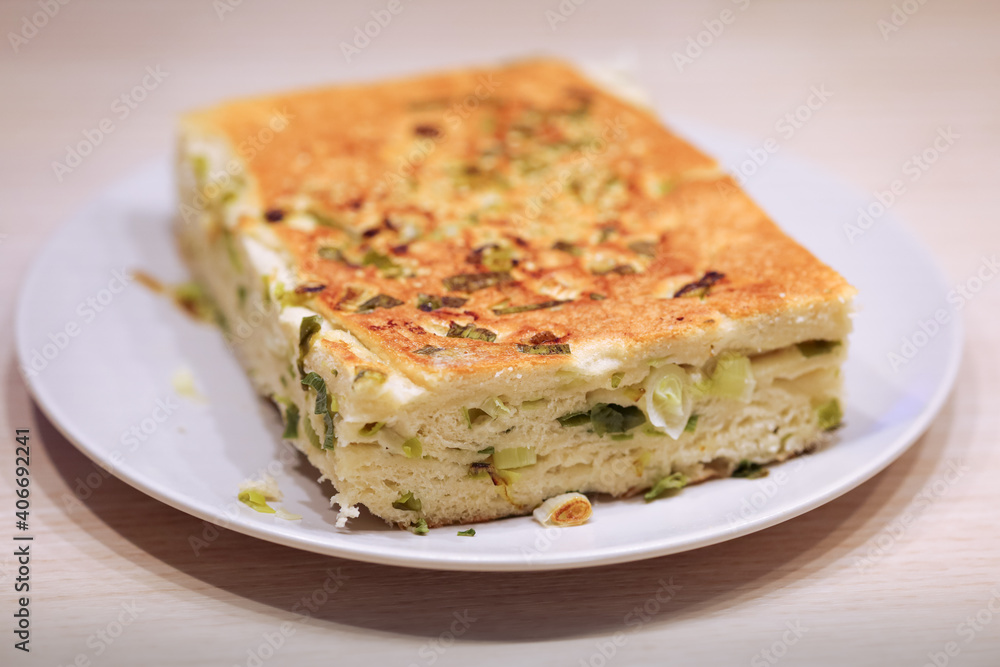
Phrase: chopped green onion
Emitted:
{"points": [[428, 350], [610, 418], [369, 375], [407, 501], [536, 404], [309, 327], [291, 422], [830, 415], [674, 482], [431, 302], [514, 457], [471, 331], [700, 287], [379, 301], [574, 419], [488, 450], [747, 469], [256, 501], [814, 348], [471, 282], [616, 380], [324, 405], [371, 429], [471, 532], [692, 424], [384, 263], [420, 527], [622, 436], [553, 348], [412, 448], [594, 296], [732, 377]]}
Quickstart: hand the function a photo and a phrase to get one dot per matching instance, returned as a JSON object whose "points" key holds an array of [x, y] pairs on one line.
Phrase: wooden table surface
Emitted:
{"points": [[114, 581]]}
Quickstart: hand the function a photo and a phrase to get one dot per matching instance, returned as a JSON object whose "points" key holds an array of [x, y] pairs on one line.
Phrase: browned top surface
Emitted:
{"points": [[530, 173]]}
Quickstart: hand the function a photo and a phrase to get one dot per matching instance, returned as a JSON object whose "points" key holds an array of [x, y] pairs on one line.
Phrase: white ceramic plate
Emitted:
{"points": [[102, 354]]}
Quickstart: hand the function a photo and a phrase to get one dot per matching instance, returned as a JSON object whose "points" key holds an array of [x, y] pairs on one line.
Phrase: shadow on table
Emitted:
{"points": [[289, 583]]}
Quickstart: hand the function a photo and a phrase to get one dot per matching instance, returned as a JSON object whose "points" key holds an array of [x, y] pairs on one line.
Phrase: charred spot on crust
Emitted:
{"points": [[274, 215], [543, 337], [471, 282], [427, 130], [309, 288], [700, 287]]}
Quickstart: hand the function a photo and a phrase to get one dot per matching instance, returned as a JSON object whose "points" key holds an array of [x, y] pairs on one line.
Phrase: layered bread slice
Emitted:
{"points": [[472, 291]]}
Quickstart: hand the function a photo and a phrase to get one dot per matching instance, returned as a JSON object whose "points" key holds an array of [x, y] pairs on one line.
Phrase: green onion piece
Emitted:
{"points": [[574, 419], [495, 407], [692, 424], [428, 350], [616, 380], [649, 429], [420, 527], [644, 248], [488, 450], [371, 429], [552, 348], [471, 282], [311, 435], [634, 392], [407, 501], [511, 310], [497, 258], [672, 483], [471, 331], [309, 327], [431, 302], [369, 375], [609, 418], [412, 448], [814, 348], [747, 469], [256, 501], [536, 404], [471, 532], [732, 377], [567, 247], [324, 405], [622, 436], [384, 263], [514, 457], [379, 301], [830, 415], [291, 422], [594, 296]]}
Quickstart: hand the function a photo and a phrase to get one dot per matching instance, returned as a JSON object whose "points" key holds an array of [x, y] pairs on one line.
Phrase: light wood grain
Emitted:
{"points": [[942, 68]]}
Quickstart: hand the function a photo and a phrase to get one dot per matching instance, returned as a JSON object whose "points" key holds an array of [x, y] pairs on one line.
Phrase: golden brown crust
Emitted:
{"points": [[542, 187]]}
